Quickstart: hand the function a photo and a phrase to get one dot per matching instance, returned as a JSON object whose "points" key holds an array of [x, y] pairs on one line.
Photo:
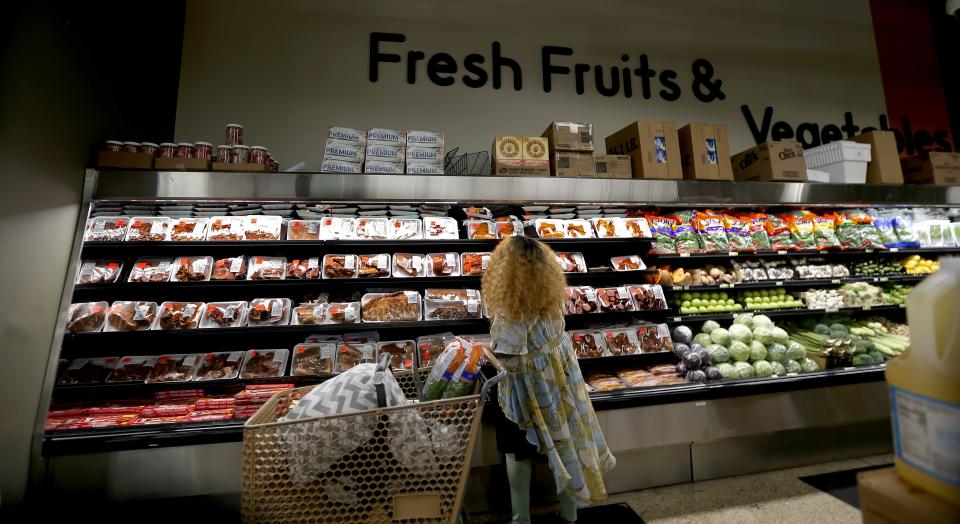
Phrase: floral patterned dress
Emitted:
{"points": [[545, 395]]}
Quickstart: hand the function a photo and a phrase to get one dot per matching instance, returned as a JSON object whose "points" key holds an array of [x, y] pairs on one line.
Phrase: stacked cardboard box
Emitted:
{"points": [[424, 152], [653, 147], [572, 153], [344, 150], [385, 151], [771, 162], [705, 152], [521, 156], [938, 168]]}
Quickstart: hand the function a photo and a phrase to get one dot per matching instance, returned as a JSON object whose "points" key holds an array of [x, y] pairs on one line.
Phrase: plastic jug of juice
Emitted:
{"points": [[924, 386]]}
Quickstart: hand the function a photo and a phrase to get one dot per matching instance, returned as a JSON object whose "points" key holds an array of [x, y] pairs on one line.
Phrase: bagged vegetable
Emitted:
{"points": [[738, 233], [884, 225], [779, 233], [847, 232], [683, 233], [443, 370], [801, 226], [709, 228], [903, 227], [463, 380], [662, 230], [824, 233], [758, 230], [869, 235]]}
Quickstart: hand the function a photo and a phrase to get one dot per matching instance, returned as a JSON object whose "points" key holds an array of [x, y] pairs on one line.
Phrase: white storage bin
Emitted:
{"points": [[815, 175], [844, 160]]}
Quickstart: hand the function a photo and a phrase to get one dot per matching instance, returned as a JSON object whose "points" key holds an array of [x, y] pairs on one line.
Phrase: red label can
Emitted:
{"points": [[184, 150], [234, 134], [203, 150]]}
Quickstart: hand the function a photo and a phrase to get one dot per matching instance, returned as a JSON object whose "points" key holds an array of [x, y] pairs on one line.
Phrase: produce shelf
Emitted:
{"points": [[797, 312], [674, 257], [801, 283]]}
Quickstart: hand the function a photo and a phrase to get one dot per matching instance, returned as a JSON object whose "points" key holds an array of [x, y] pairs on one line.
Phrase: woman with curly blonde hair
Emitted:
{"points": [[546, 409]]}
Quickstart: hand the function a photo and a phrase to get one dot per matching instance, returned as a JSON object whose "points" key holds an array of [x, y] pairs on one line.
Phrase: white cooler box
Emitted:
{"points": [[845, 161]]}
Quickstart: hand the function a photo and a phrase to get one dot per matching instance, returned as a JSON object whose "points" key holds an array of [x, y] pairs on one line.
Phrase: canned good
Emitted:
{"points": [[131, 147], [239, 154], [113, 145], [184, 150], [168, 150], [223, 153], [203, 150], [258, 155], [234, 134], [150, 148]]}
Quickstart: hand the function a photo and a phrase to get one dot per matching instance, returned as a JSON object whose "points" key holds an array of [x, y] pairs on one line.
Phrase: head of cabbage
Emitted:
{"points": [[727, 370], [777, 352], [762, 368], [793, 366], [741, 333], [762, 320], [778, 369], [718, 353], [739, 351], [703, 339], [808, 365], [780, 335], [744, 319], [757, 351], [763, 334], [744, 370], [720, 336], [795, 350], [709, 326]]}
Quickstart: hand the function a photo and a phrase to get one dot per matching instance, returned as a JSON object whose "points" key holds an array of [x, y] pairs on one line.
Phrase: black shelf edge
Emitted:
{"points": [[782, 313], [104, 440], [803, 252], [797, 282]]}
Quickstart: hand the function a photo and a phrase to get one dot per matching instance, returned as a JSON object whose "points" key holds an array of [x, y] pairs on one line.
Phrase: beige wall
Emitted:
{"points": [[291, 70]]}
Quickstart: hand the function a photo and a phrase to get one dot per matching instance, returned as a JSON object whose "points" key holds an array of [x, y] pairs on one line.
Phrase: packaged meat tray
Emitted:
{"points": [[343, 313], [407, 265], [580, 300], [636, 227], [349, 355], [154, 229], [87, 371], [132, 369], [615, 299], [627, 263], [86, 317], [605, 383], [267, 268], [106, 229], [654, 338], [443, 265], [309, 314], [260, 227], [451, 304], [402, 306], [303, 269], [608, 227], [405, 229], [571, 262], [478, 213], [303, 230], [362, 336], [480, 229], [314, 359], [648, 296], [269, 312], [340, 266], [578, 228], [185, 229], [639, 378], [401, 353], [550, 228], [429, 347], [509, 228], [179, 315], [337, 228], [588, 344], [152, 270], [622, 341], [173, 368], [663, 369], [231, 268], [225, 228], [193, 269], [374, 266], [99, 272], [474, 264], [370, 229], [264, 363], [224, 315], [218, 366], [435, 228], [129, 315]]}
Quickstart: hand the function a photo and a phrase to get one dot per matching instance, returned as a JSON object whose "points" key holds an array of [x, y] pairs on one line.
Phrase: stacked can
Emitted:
{"points": [[344, 150], [424, 154], [386, 150]]}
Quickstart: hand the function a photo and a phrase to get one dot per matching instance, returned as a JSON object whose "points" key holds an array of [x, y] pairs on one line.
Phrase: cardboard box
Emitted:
{"points": [[249, 166], [885, 498], [508, 148], [569, 136], [520, 168], [653, 147], [520, 156], [884, 166], [124, 159], [705, 152], [771, 161], [613, 166], [196, 164], [942, 169], [572, 164]]}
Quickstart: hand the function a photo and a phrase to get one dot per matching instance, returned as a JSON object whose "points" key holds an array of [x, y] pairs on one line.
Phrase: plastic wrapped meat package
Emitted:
{"points": [[269, 312], [86, 317], [99, 272], [337, 228], [654, 338], [608, 227], [152, 270], [218, 366], [173, 368], [578, 228], [340, 266], [129, 315], [224, 315], [407, 265], [443, 265], [87, 371], [374, 266], [436, 228], [303, 230], [480, 229], [362, 336], [303, 268], [314, 359], [353, 353], [604, 382], [401, 352], [509, 227], [405, 229], [193, 269], [636, 227], [550, 228], [627, 263], [231, 268], [267, 268], [264, 363], [663, 369], [474, 264], [615, 299], [401, 306], [648, 296], [429, 347], [370, 229], [580, 300], [478, 213], [179, 315], [258, 227], [154, 229], [225, 228], [187, 229], [343, 313], [132, 369], [106, 229], [310, 314], [571, 262], [638, 378], [588, 344], [451, 304], [622, 341]]}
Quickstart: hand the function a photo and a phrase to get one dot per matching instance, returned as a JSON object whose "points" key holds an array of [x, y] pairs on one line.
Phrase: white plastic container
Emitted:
{"points": [[845, 161]]}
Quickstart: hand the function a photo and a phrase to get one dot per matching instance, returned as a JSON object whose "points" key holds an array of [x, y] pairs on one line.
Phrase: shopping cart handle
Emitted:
{"points": [[382, 367], [501, 373]]}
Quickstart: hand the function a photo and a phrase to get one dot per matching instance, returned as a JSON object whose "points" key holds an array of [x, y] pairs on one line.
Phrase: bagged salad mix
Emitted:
{"points": [[846, 230], [683, 233], [824, 232], [801, 226], [662, 230], [739, 235], [711, 232], [779, 233]]}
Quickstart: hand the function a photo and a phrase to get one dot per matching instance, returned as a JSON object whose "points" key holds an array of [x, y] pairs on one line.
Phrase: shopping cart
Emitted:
{"points": [[392, 464]]}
